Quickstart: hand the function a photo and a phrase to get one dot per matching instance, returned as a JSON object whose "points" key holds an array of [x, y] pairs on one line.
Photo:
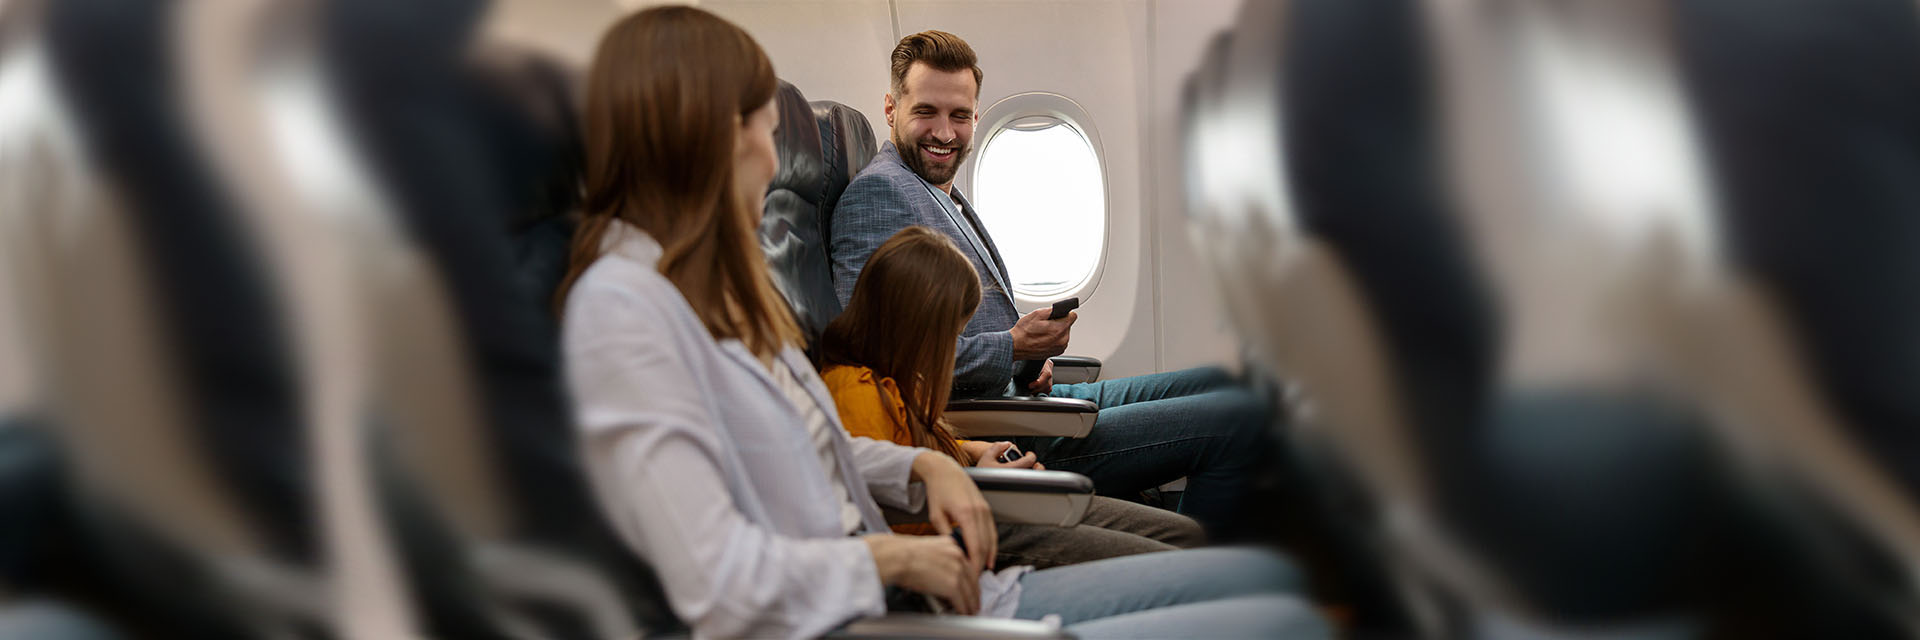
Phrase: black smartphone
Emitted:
{"points": [[1011, 454], [1061, 308]]}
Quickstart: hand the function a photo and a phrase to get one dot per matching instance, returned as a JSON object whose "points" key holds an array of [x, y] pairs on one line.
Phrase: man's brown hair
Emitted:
{"points": [[938, 49]]}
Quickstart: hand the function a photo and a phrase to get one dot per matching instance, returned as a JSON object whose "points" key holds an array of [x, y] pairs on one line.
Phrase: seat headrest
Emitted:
{"points": [[847, 140], [802, 166], [791, 230]]}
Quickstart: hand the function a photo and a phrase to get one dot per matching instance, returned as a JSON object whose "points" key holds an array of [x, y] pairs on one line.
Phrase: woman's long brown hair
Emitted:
{"points": [[913, 299], [668, 90]]}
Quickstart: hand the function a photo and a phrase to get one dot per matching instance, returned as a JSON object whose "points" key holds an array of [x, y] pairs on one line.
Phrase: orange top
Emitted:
{"points": [[872, 408]]}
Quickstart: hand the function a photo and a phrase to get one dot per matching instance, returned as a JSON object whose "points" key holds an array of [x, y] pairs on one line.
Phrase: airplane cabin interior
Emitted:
{"points": [[1038, 319]]}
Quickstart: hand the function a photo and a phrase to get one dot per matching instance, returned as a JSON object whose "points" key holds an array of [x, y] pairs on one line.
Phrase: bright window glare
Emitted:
{"points": [[1041, 196]]}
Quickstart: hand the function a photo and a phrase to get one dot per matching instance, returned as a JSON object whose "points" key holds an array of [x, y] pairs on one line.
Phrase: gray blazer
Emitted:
{"points": [[887, 197], [707, 469]]}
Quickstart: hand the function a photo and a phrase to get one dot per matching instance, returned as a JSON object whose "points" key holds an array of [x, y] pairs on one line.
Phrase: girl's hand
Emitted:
{"points": [[991, 458]]}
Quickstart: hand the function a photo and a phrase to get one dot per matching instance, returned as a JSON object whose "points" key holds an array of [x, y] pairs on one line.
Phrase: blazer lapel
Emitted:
{"points": [[991, 253], [975, 236]]}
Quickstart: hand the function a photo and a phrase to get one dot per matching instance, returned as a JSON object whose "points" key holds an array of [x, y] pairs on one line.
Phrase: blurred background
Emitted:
{"points": [[1593, 318]]}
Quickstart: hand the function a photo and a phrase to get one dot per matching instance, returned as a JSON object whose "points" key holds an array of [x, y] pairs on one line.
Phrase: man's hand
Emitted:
{"points": [[932, 565], [1036, 337], [1044, 383], [953, 502]]}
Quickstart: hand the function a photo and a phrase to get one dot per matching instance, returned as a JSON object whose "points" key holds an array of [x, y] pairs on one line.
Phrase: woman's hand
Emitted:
{"points": [[954, 503], [932, 565], [991, 458]]}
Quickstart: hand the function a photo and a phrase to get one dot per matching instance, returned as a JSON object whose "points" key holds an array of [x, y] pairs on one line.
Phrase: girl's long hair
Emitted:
{"points": [[913, 299]]}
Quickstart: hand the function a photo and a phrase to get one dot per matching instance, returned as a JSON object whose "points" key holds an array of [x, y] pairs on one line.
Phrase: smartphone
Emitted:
{"points": [[1061, 308], [1011, 454]]}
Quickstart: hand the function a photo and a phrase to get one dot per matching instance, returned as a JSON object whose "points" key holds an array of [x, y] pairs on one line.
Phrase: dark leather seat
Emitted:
{"points": [[848, 145], [793, 230]]}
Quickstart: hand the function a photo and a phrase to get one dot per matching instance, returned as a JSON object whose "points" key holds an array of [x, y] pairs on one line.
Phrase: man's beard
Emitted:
{"points": [[938, 175]]}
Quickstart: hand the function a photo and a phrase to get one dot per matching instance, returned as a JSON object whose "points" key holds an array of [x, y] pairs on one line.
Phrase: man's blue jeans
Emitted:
{"points": [[1153, 429]]}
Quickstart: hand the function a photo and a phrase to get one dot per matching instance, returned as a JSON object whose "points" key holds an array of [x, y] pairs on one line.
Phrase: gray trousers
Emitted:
{"points": [[1113, 528]]}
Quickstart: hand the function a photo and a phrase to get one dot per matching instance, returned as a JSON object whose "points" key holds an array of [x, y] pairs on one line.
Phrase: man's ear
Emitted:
{"points": [[889, 108]]}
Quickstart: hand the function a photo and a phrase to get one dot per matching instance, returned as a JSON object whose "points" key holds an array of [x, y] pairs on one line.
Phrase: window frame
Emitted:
{"points": [[1002, 116]]}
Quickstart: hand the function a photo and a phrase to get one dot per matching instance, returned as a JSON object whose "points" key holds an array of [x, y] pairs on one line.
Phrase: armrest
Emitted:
{"points": [[1006, 417], [932, 627], [1029, 480], [1075, 369], [1023, 496]]}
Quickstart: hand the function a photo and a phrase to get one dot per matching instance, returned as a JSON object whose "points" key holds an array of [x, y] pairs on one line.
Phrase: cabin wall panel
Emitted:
{"points": [[831, 49], [1192, 321]]}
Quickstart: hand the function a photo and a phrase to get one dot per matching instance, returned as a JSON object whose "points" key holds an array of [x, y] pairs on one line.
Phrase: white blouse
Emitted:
{"points": [[823, 433], [700, 460]]}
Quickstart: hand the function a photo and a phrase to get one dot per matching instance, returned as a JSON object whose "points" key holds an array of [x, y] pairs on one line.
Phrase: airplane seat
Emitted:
{"points": [[844, 129], [218, 304], [1365, 171], [1335, 523], [535, 96], [222, 434], [1316, 185], [488, 193], [1808, 112], [792, 229], [1271, 280]]}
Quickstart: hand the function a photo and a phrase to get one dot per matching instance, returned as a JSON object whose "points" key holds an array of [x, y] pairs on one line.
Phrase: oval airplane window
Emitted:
{"points": [[1040, 191]]}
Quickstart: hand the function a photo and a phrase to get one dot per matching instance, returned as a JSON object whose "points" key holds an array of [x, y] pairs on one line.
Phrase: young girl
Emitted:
{"points": [[889, 359]]}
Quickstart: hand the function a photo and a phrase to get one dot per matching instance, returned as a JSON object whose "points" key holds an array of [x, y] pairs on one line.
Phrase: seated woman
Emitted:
{"points": [[715, 449], [889, 362]]}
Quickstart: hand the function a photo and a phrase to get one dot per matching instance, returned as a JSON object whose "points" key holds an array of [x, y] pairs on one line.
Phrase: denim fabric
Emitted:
{"points": [[1154, 429], [1195, 593]]}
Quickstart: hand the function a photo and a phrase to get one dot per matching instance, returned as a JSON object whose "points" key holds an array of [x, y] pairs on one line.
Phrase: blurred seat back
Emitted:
{"points": [[1810, 112], [483, 166], [1335, 192]]}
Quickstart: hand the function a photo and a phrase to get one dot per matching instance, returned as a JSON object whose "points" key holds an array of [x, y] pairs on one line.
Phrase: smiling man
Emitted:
{"points": [[1152, 429]]}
